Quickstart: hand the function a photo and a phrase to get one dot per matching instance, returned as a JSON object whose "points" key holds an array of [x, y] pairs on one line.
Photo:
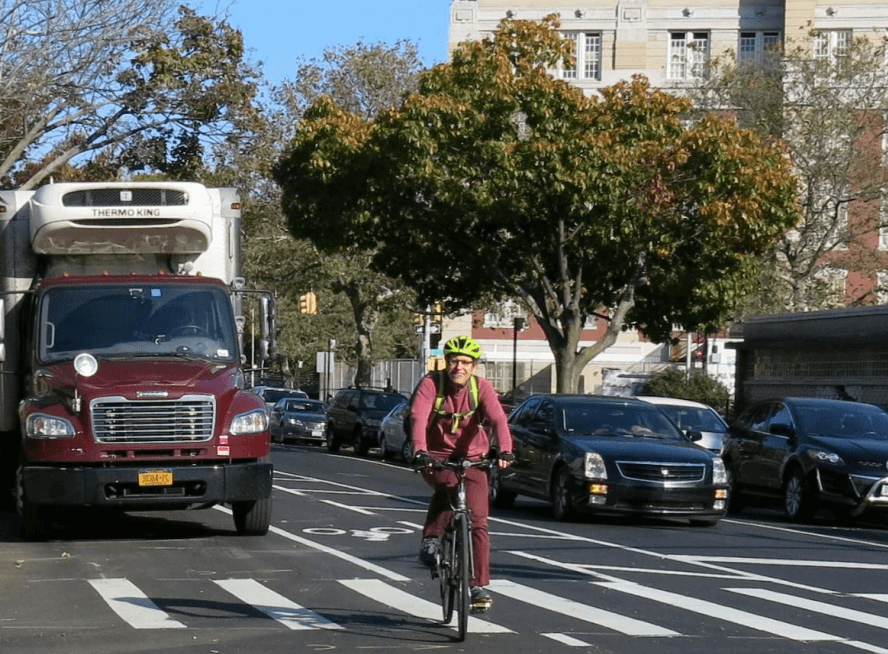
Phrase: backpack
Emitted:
{"points": [[441, 381]]}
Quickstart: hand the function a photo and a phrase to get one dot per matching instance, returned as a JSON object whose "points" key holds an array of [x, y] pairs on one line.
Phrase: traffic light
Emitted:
{"points": [[308, 303], [438, 312]]}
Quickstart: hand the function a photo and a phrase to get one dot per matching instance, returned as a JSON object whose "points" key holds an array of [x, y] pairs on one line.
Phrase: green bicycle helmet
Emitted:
{"points": [[463, 345]]}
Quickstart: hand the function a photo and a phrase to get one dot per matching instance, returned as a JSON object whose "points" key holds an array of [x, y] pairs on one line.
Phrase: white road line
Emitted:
{"points": [[366, 565], [400, 600], [814, 606], [719, 612], [347, 507], [132, 605], [784, 563], [570, 641], [584, 612], [276, 606]]}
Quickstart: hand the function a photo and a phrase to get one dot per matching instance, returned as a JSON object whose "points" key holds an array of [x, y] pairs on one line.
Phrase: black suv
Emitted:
{"points": [[354, 415]]}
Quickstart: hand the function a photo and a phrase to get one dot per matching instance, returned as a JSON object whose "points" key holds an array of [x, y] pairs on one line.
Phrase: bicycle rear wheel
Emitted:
{"points": [[445, 574], [463, 568]]}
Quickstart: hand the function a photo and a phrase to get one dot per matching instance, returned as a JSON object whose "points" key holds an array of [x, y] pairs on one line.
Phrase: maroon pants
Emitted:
{"points": [[478, 500]]}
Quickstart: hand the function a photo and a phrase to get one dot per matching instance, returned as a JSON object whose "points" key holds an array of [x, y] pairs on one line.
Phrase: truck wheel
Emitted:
{"points": [[252, 518], [332, 441]]}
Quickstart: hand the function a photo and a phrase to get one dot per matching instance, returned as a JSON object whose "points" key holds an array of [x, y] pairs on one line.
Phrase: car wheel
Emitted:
{"points": [[562, 496], [500, 498], [332, 441], [387, 454], [735, 497], [362, 445], [407, 451], [797, 497]]}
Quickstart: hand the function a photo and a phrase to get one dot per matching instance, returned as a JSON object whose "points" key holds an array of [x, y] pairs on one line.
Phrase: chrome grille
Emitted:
{"points": [[186, 420], [664, 473]]}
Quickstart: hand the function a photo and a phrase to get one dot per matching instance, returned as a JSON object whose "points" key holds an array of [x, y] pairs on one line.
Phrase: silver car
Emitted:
{"points": [[392, 438], [693, 416]]}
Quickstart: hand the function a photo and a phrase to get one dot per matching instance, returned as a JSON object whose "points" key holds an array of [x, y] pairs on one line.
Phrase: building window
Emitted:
{"points": [[832, 45], [882, 287], [587, 50], [757, 47], [688, 53]]}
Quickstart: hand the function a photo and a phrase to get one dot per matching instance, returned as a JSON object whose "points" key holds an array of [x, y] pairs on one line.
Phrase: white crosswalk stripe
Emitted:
{"points": [[601, 617], [400, 600], [276, 606], [132, 605]]}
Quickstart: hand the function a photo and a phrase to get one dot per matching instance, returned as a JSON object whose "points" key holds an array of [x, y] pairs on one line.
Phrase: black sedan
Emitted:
{"points": [[298, 419], [812, 454], [609, 455]]}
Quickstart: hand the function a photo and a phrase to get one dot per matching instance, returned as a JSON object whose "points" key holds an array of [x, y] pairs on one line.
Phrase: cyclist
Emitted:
{"points": [[453, 429]]}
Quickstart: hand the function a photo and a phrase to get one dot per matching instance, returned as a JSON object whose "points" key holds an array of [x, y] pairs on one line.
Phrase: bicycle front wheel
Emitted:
{"points": [[445, 574], [462, 569]]}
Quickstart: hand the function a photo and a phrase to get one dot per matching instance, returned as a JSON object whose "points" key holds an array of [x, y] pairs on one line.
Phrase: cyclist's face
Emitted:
{"points": [[460, 369]]}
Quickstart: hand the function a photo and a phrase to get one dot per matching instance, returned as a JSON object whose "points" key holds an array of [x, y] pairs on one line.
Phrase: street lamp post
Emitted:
{"points": [[517, 325]]}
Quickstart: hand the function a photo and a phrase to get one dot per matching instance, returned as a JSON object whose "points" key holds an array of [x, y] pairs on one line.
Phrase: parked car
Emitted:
{"points": [[354, 415], [694, 416], [812, 454], [609, 455], [271, 394], [294, 418], [392, 438]]}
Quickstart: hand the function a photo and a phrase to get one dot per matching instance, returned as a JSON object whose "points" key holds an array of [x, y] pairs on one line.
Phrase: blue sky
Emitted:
{"points": [[279, 31]]}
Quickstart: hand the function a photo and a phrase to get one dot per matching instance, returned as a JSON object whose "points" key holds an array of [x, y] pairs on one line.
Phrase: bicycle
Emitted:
{"points": [[455, 561]]}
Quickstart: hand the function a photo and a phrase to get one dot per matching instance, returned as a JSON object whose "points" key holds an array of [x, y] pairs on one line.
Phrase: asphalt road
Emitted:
{"points": [[338, 571]]}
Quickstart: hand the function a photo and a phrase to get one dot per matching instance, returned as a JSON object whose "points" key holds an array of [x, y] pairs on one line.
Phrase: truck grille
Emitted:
{"points": [[128, 197], [664, 473], [187, 420]]}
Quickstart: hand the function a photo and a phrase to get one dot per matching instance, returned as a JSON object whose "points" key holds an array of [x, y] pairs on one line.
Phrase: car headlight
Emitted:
{"points": [[719, 474], [822, 456], [296, 422], [253, 422], [40, 425], [593, 466]]}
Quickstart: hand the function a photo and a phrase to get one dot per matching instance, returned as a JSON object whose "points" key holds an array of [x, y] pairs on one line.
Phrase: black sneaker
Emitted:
{"points": [[428, 551], [481, 599]]}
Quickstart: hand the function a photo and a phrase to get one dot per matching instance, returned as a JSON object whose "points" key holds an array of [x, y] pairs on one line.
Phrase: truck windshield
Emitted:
{"points": [[121, 320]]}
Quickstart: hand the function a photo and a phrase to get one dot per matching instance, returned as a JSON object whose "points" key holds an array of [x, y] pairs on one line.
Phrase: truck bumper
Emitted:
{"points": [[121, 488]]}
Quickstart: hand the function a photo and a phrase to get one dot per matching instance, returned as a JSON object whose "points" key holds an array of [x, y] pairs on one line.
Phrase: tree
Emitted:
{"points": [[698, 387], [828, 112], [367, 79], [130, 83], [496, 179]]}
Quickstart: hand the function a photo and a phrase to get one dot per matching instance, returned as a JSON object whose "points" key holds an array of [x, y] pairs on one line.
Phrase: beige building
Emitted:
{"points": [[668, 41]]}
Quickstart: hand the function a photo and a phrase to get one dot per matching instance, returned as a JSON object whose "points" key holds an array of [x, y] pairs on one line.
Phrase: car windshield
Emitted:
{"points": [[131, 320], [380, 402], [852, 421], [617, 420], [697, 419]]}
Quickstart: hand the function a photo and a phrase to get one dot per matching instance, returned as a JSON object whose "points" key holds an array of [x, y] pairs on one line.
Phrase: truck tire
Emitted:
{"points": [[252, 518]]}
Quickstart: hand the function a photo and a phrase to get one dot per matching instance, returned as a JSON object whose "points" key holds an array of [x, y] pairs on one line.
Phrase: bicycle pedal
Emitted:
{"points": [[481, 607]]}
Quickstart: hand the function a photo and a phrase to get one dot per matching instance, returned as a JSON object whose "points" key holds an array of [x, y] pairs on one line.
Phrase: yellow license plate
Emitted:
{"points": [[156, 478]]}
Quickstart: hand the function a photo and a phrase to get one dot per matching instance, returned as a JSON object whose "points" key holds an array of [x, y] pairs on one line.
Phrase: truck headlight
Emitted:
{"points": [[253, 422], [593, 466], [40, 425], [719, 474]]}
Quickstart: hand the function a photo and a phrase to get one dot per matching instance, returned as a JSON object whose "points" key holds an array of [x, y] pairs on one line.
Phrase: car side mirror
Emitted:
{"points": [[694, 435], [781, 429]]}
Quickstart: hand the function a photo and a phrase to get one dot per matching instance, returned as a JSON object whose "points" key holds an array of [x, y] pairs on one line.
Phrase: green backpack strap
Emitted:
{"points": [[456, 416]]}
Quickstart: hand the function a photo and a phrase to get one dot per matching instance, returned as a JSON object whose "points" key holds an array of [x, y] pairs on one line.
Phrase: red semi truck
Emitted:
{"points": [[121, 378]]}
